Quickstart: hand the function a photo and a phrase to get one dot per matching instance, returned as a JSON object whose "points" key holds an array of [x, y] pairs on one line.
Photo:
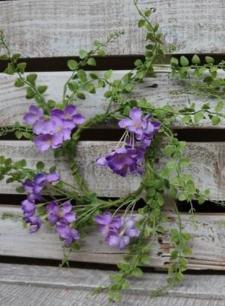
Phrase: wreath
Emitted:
{"points": [[148, 135]]}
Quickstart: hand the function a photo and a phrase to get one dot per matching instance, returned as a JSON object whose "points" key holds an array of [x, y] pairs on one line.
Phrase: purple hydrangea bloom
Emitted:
{"points": [[117, 231], [60, 214], [67, 233], [52, 131]]}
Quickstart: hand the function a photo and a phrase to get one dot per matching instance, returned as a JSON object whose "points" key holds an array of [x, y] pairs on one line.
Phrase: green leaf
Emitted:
{"points": [[90, 88], [198, 117], [148, 12], [80, 95], [51, 103], [72, 64], [184, 61], [174, 61], [40, 165], [30, 93], [101, 83], [138, 63], [19, 83], [108, 74], [196, 60], [83, 54], [209, 60], [215, 120], [10, 69], [94, 76], [91, 61], [42, 89], [82, 76], [31, 78], [141, 23], [219, 106], [108, 94], [21, 67]]}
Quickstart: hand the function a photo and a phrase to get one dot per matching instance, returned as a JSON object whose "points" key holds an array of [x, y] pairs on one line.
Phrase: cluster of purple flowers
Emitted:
{"points": [[33, 189], [117, 230], [53, 130], [130, 157], [62, 216]]}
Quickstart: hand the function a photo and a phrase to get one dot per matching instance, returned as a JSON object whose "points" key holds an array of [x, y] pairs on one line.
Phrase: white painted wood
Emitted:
{"points": [[30, 283], [61, 28], [207, 167], [207, 231], [159, 91]]}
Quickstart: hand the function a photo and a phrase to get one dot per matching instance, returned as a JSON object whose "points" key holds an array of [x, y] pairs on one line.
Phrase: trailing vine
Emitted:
{"points": [[57, 125]]}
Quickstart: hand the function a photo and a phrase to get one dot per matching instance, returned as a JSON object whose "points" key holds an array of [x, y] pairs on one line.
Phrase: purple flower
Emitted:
{"points": [[117, 231], [130, 157], [139, 124], [34, 223], [71, 118], [123, 160], [63, 214], [67, 233], [28, 207], [33, 115], [107, 223], [33, 189], [52, 131]]}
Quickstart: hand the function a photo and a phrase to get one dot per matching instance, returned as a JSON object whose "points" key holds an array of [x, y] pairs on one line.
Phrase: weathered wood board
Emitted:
{"points": [[160, 91], [207, 231], [63, 287], [207, 166], [61, 28]]}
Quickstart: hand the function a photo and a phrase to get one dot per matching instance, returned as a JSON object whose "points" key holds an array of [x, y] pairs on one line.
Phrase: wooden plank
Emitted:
{"points": [[14, 295], [77, 284], [207, 166], [207, 231], [56, 28], [160, 91]]}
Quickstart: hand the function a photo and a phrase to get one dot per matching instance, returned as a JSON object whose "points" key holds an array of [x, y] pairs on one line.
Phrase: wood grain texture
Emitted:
{"points": [[207, 231], [26, 295], [207, 167], [56, 28], [160, 90], [55, 286]]}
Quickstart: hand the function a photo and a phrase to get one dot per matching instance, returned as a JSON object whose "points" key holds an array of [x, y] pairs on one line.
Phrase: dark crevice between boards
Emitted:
{"points": [[206, 207], [112, 133], [183, 207], [115, 62], [95, 266]]}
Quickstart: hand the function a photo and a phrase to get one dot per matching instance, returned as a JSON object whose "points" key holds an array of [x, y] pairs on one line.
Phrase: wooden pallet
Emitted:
{"points": [[47, 32]]}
